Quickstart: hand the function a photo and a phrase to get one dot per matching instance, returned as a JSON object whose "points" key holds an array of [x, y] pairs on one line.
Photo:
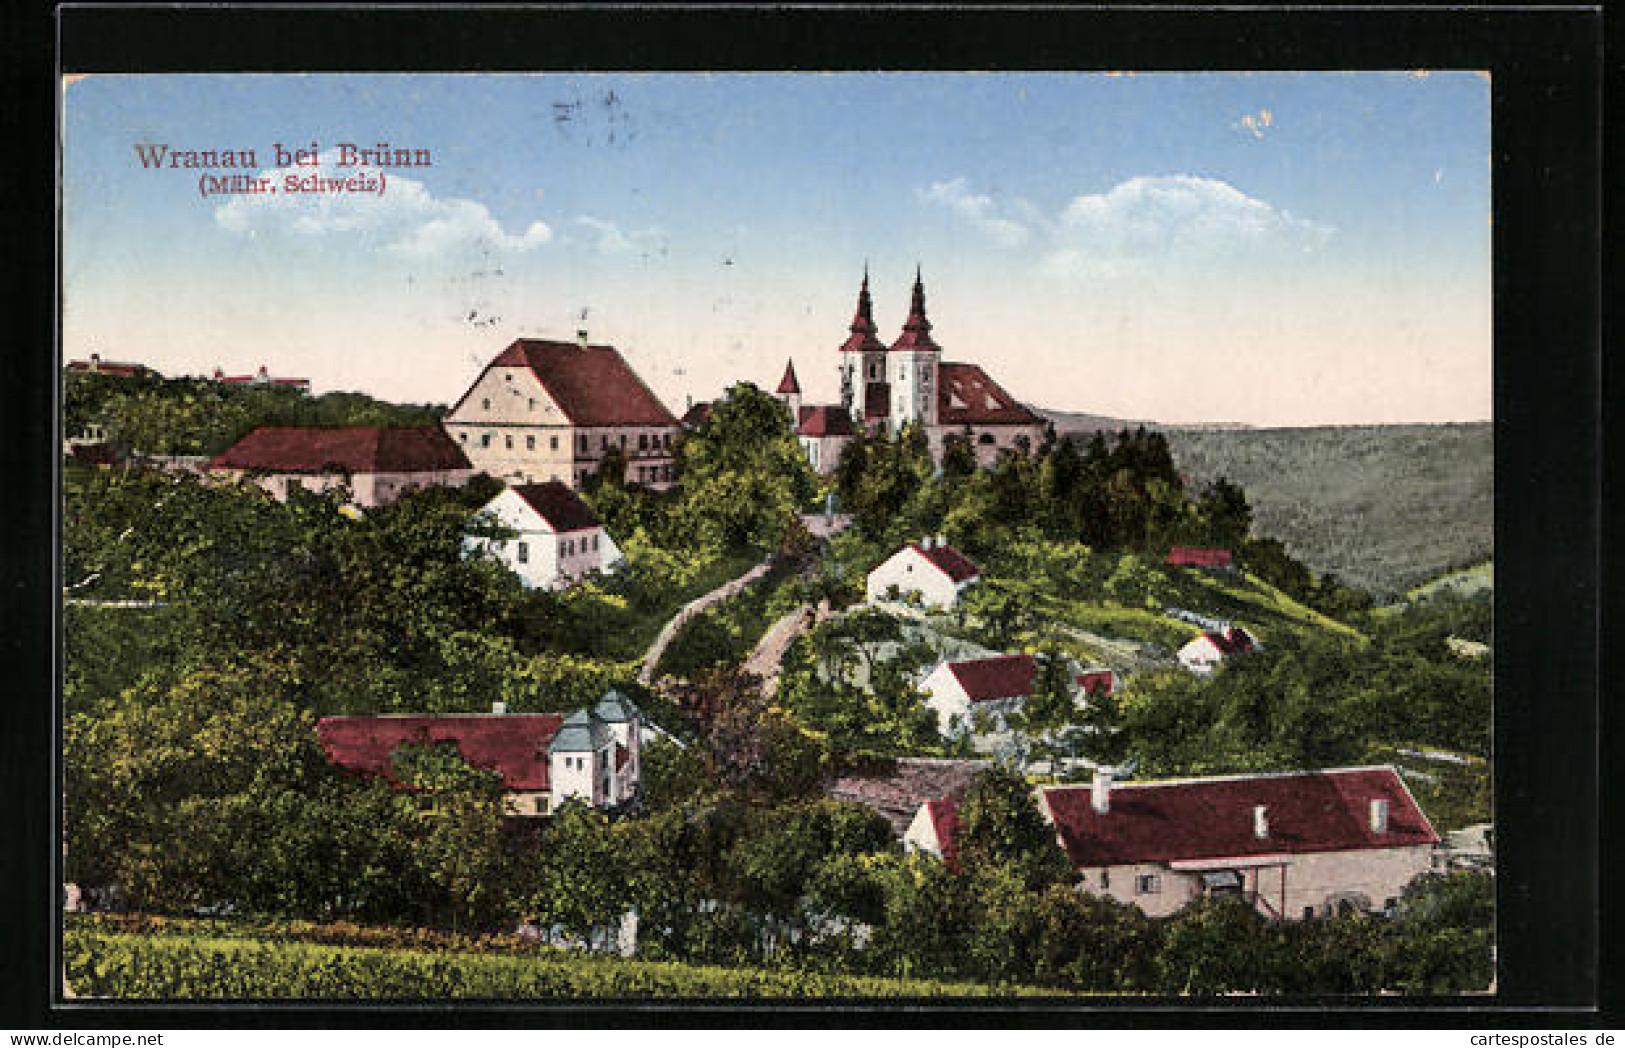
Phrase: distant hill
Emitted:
{"points": [[1078, 422], [1383, 507]]}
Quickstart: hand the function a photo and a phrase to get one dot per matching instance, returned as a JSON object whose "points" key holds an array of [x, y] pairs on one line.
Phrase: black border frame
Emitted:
{"points": [[1546, 64]]}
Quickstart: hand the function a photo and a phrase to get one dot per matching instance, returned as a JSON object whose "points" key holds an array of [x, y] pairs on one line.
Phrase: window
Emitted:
{"points": [[665, 441], [524, 553], [530, 443], [508, 441], [603, 441], [569, 547], [1105, 878], [463, 437], [623, 440], [485, 440], [1148, 884], [1308, 913], [583, 443], [553, 443], [485, 403], [532, 403]]}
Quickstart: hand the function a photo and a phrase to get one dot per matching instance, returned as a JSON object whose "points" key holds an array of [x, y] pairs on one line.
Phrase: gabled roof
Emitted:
{"points": [[949, 561], [1196, 819], [1096, 681], [615, 708], [555, 503], [1198, 557], [592, 385], [120, 368], [1001, 677], [825, 420], [897, 788], [356, 449], [514, 745], [945, 824], [788, 383], [967, 396], [1234, 641], [580, 733]]}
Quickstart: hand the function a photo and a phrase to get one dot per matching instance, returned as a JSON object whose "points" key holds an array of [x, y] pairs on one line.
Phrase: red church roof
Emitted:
{"points": [[1198, 557], [562, 508], [1001, 677], [592, 385], [1317, 811], [916, 334], [949, 561], [513, 745], [825, 420], [862, 339], [788, 383], [356, 449], [967, 396]]}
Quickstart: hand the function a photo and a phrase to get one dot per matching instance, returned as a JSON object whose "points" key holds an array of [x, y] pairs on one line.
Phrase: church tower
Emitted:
{"points": [[789, 392], [863, 364], [913, 365]]}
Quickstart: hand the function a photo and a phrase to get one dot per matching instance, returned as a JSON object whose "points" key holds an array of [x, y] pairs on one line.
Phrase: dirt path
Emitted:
{"points": [[765, 659], [651, 658]]}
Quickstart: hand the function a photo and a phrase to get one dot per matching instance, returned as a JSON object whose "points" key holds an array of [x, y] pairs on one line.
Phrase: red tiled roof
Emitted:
{"points": [[592, 385], [862, 339], [825, 420], [877, 400], [512, 745], [1198, 557], [967, 396], [1213, 818], [558, 505], [357, 449], [94, 454], [788, 383], [111, 367], [898, 788], [949, 561], [1235, 641], [1096, 682], [1002, 677], [945, 824]]}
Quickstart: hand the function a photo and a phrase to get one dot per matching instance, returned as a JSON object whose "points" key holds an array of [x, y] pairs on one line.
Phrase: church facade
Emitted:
{"points": [[884, 388]]}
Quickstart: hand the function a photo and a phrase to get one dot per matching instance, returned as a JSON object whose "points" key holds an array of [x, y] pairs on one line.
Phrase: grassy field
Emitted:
{"points": [[1383, 507]]}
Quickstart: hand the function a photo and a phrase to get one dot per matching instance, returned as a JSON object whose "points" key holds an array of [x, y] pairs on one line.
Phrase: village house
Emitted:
{"points": [[378, 463], [262, 377], [1198, 557], [544, 759], [544, 411], [117, 368], [930, 568], [896, 787], [964, 692], [935, 831], [1211, 647], [559, 539], [1294, 844]]}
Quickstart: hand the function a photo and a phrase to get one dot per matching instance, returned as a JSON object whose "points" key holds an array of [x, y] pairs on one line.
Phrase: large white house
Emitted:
{"points": [[1211, 647], [558, 541], [1292, 845], [930, 568], [544, 759]]}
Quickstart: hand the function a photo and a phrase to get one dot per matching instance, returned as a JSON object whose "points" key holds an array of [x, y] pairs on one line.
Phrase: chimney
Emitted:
{"points": [[1379, 815], [1100, 794], [499, 708], [581, 337], [1261, 822], [263, 371], [941, 541]]}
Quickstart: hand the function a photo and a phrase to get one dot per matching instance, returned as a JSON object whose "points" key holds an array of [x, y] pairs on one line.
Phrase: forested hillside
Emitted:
{"points": [[1382, 507]]}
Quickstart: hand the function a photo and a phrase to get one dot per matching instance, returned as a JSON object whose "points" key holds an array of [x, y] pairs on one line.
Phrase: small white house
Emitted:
{"points": [[559, 542], [962, 692], [934, 830], [1211, 647], [596, 754], [930, 568]]}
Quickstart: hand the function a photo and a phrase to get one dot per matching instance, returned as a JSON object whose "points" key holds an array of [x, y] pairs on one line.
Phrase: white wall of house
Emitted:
{"points": [[921, 835], [574, 775], [510, 427], [823, 453], [956, 712], [368, 490], [541, 557], [1200, 656], [912, 573]]}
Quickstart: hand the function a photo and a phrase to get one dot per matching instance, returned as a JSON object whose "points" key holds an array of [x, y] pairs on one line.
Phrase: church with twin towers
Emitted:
{"points": [[884, 388]]}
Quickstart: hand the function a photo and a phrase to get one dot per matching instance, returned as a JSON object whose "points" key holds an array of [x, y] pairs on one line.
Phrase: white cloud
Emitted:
{"points": [[610, 239], [978, 209], [405, 219], [1150, 219]]}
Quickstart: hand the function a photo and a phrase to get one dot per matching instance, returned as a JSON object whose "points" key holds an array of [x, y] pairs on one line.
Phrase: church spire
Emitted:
{"points": [[788, 383], [916, 329], [862, 339]]}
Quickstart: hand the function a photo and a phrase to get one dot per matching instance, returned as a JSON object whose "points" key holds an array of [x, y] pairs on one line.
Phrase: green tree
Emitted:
{"points": [[999, 825], [580, 880], [744, 475]]}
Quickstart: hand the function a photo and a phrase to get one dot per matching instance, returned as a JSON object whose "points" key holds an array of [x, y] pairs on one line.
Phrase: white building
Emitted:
{"points": [[963, 692], [934, 831], [596, 754], [1211, 647], [931, 568], [1292, 845], [559, 539]]}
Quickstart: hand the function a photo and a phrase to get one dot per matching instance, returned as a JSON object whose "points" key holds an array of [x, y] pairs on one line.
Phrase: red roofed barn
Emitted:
{"points": [[544, 411], [379, 463], [931, 568], [1293, 845]]}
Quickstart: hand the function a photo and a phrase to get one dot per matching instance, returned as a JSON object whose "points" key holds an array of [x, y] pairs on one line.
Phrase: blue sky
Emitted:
{"points": [[1277, 249]]}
